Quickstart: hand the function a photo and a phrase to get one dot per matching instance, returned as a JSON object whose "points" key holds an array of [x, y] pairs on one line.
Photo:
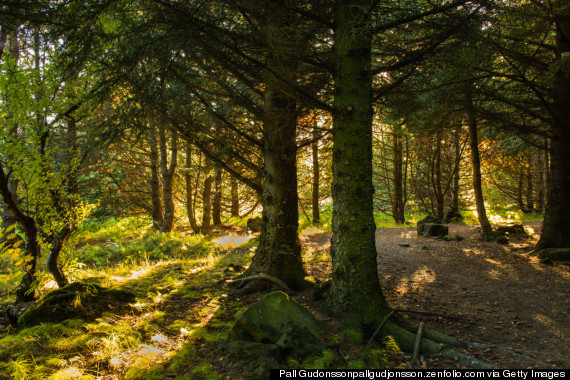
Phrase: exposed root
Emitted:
{"points": [[430, 313], [257, 277]]}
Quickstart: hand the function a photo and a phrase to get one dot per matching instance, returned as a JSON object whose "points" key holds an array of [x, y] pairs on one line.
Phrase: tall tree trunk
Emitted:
{"points": [[520, 189], [167, 169], [556, 226], [188, 180], [457, 158], [217, 201], [207, 204], [398, 201], [156, 202], [529, 187], [279, 251], [234, 197], [355, 295], [316, 179], [438, 189], [541, 182], [476, 166]]}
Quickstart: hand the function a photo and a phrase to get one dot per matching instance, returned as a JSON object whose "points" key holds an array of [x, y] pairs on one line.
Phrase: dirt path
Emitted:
{"points": [[502, 297]]}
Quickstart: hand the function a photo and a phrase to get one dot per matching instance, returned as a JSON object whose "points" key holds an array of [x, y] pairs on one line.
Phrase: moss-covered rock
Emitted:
{"points": [[277, 319], [72, 301], [512, 230], [432, 229]]}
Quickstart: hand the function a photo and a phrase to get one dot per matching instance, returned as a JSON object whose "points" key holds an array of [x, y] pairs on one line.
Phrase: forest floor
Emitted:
{"points": [[478, 292]]}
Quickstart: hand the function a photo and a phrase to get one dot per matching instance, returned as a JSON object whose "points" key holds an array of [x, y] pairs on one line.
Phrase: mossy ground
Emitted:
{"points": [[181, 316]]}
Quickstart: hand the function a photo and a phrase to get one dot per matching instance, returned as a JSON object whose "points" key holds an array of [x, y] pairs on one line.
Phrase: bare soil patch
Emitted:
{"points": [[483, 292]]}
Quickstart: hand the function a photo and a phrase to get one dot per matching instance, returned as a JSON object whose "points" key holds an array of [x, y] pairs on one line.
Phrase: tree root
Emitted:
{"points": [[257, 277], [430, 313]]}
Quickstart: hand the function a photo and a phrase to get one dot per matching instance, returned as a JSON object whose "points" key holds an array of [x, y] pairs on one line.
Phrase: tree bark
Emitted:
{"points": [[279, 251], [476, 165], [556, 226], [156, 203], [355, 295], [167, 169]]}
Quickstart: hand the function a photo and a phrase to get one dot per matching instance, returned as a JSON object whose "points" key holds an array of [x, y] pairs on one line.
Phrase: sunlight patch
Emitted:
{"points": [[311, 231], [232, 240]]}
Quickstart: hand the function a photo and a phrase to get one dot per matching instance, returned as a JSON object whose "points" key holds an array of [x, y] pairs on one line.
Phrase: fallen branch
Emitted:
{"points": [[262, 276], [417, 344]]}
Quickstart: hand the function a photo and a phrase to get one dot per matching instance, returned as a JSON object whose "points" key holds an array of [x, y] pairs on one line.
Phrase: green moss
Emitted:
{"points": [[183, 356], [206, 372], [320, 362]]}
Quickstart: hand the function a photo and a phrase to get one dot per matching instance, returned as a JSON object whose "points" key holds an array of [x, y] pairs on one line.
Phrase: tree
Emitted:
{"points": [[556, 228]]}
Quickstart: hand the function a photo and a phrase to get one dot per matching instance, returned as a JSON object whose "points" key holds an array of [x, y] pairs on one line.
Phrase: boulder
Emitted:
{"points": [[430, 219], [277, 319], [432, 229], [452, 237], [76, 300], [254, 224], [512, 230], [452, 216]]}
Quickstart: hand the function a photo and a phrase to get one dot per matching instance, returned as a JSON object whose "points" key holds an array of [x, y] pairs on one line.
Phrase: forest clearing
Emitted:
{"points": [[178, 327]]}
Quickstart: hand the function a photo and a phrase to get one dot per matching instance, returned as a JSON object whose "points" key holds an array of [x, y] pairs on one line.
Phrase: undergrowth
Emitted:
{"points": [[181, 315]]}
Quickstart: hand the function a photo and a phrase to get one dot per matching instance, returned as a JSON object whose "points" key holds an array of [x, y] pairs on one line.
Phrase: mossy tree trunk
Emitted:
{"points": [[355, 295], [279, 251], [556, 227]]}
